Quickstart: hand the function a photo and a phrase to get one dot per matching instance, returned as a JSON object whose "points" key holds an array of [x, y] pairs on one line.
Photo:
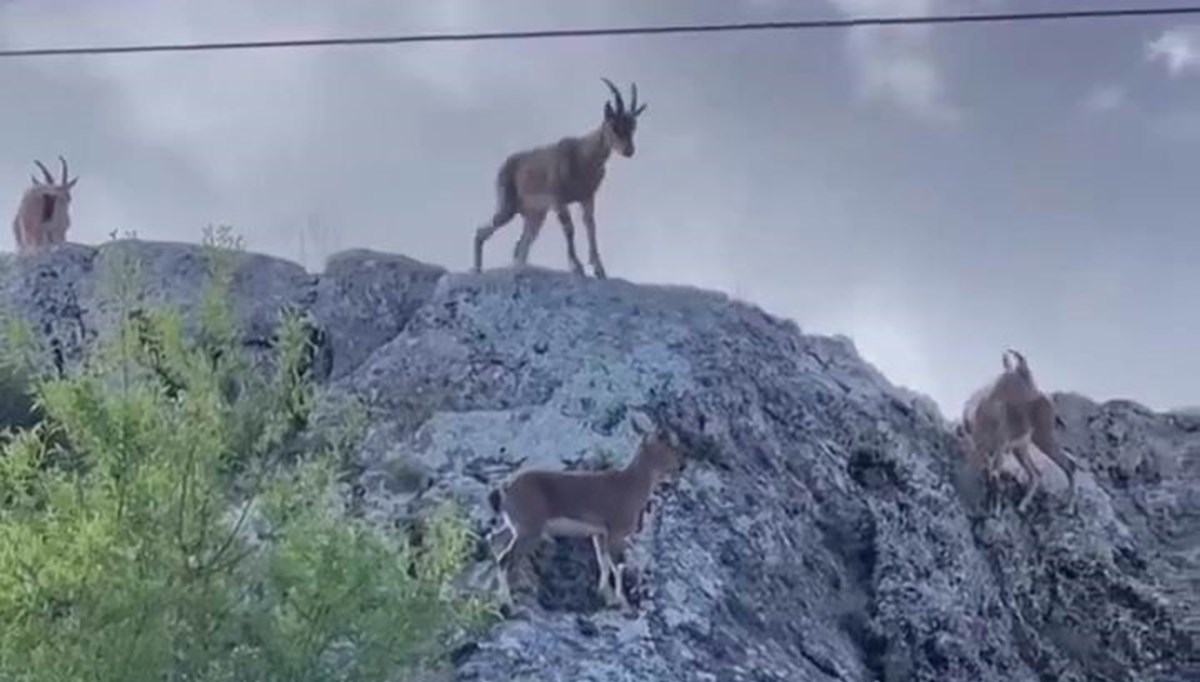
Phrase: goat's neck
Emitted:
{"points": [[594, 148], [640, 476]]}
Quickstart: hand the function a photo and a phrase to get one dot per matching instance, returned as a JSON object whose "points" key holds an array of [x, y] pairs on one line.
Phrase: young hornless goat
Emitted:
{"points": [[535, 181], [1011, 413], [605, 505], [43, 216]]}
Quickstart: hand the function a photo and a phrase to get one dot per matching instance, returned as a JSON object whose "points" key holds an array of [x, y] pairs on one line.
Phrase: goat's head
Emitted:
{"points": [[619, 122], [56, 193], [1017, 379], [661, 448]]}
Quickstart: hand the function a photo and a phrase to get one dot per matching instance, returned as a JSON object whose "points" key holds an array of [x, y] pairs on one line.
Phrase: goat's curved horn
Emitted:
{"points": [[64, 169], [634, 108], [616, 95], [46, 173], [1020, 359]]}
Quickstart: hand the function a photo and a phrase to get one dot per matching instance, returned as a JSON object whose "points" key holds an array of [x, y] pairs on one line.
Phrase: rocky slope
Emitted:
{"points": [[823, 529]]}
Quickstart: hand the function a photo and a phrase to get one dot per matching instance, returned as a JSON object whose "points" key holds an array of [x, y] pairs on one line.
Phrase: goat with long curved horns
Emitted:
{"points": [[1011, 414], [43, 216], [535, 181]]}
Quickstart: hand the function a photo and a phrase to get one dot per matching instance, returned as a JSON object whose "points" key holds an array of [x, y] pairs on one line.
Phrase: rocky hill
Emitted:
{"points": [[823, 530]]}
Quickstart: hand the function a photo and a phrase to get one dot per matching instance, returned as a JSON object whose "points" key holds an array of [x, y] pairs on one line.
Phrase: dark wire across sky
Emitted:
{"points": [[1132, 12]]}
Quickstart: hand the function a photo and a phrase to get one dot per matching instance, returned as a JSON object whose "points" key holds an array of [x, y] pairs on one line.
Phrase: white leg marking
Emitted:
{"points": [[603, 587]]}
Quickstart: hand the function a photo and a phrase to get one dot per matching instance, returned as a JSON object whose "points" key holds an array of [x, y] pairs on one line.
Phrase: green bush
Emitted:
{"points": [[126, 550]]}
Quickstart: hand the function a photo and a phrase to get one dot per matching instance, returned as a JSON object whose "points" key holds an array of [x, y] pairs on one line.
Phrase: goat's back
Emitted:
{"points": [[534, 497], [998, 414]]}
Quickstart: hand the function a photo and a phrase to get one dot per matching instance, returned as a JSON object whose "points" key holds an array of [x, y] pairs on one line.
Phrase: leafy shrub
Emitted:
{"points": [[158, 523]]}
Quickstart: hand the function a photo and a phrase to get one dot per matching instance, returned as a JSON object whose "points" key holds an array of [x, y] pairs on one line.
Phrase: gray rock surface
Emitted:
{"points": [[823, 529]]}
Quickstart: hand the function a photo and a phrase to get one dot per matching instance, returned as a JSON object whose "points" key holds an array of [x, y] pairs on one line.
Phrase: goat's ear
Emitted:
{"points": [[673, 438], [638, 427], [609, 114], [71, 184], [36, 182]]}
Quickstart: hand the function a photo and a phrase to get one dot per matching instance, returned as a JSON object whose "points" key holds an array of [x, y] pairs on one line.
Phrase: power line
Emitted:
{"points": [[615, 31]]}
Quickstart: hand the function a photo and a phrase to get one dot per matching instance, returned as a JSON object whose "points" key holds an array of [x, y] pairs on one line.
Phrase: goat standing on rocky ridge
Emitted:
{"points": [[43, 216], [554, 176], [1011, 413], [605, 505]]}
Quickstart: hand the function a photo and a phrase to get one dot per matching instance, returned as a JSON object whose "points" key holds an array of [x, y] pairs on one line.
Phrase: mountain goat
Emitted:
{"points": [[606, 505], [43, 216], [554, 176], [1011, 413]]}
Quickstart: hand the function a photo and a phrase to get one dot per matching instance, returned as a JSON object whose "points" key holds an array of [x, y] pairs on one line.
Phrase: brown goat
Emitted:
{"points": [[43, 216], [1011, 413], [533, 182], [607, 505]]}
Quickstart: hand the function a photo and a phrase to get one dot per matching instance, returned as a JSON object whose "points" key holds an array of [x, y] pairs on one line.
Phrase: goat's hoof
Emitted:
{"points": [[599, 272], [511, 611]]}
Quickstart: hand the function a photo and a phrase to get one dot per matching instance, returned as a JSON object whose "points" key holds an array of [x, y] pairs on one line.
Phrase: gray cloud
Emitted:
{"points": [[810, 172], [898, 64], [1178, 48]]}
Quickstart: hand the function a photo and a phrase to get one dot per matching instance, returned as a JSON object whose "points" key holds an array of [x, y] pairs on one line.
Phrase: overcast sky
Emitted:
{"points": [[937, 194]]}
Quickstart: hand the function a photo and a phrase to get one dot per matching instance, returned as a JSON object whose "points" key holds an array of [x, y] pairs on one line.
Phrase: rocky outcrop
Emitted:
{"points": [[823, 529]]}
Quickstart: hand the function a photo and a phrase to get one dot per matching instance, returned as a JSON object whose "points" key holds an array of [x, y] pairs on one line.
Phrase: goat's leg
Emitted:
{"points": [[1035, 476], [503, 561], [598, 545], [499, 219], [616, 547], [987, 485], [509, 558], [589, 222], [495, 532], [995, 458], [611, 595], [568, 228], [1044, 421], [18, 236], [533, 226], [33, 239], [506, 524], [981, 458]]}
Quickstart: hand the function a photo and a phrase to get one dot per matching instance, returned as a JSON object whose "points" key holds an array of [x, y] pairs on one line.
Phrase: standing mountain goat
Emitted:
{"points": [[605, 505], [43, 216], [534, 181], [1011, 413]]}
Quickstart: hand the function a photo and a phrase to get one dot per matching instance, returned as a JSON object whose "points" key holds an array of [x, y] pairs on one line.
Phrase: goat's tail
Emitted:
{"points": [[506, 186], [494, 499]]}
